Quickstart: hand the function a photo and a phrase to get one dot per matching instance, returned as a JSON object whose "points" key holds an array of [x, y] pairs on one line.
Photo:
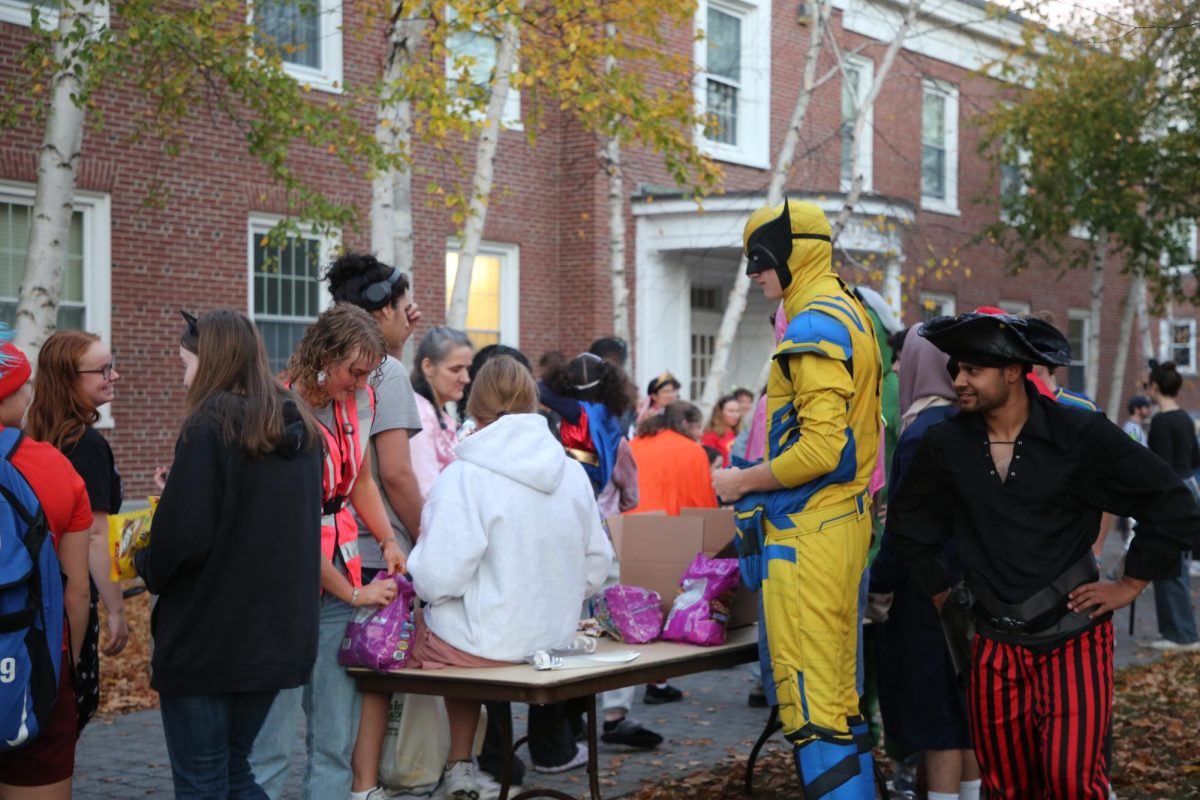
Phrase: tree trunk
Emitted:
{"points": [[735, 307], [391, 188], [1116, 387], [860, 120], [481, 186], [1096, 314], [616, 238], [58, 162], [1145, 339], [611, 158]]}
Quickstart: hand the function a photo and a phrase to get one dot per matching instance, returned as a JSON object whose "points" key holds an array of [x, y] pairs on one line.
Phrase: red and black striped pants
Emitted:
{"points": [[1039, 719]]}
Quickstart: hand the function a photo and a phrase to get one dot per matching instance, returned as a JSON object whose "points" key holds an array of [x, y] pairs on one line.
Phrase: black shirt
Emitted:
{"points": [[92, 458], [1173, 438], [1017, 535]]}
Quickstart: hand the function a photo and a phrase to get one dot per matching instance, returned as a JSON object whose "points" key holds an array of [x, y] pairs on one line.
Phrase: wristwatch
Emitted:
{"points": [[354, 598]]}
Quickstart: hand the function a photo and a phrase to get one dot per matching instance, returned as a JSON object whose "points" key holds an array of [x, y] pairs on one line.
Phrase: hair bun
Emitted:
{"points": [[1168, 366]]}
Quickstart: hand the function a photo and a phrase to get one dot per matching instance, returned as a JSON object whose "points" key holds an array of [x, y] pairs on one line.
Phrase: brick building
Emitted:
{"points": [[542, 282]]}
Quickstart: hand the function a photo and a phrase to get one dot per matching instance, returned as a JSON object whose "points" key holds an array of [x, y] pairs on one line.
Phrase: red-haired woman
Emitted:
{"points": [[77, 375]]}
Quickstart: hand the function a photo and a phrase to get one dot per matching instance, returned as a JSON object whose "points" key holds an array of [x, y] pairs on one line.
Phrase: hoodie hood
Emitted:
{"points": [[519, 447], [810, 261]]}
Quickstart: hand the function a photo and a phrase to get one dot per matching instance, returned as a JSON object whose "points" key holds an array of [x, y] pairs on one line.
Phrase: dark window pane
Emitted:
{"points": [[293, 27]]}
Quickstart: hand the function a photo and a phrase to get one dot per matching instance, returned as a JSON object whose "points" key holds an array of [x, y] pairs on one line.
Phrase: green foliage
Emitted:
{"points": [[1104, 129]]}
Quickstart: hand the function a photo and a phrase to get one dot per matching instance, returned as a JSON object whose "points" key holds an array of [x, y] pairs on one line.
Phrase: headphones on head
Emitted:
{"points": [[381, 290]]}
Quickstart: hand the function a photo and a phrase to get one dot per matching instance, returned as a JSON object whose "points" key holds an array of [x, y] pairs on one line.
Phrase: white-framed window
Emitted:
{"points": [[1079, 326], [493, 312], [857, 76], [1012, 182], [1178, 337], [286, 290], [733, 58], [308, 37], [1014, 307], [939, 147], [474, 53], [19, 12], [1188, 232], [85, 302], [936, 304]]}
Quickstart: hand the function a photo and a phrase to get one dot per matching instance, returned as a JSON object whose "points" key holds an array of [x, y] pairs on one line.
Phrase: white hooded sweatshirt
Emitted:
{"points": [[511, 543]]}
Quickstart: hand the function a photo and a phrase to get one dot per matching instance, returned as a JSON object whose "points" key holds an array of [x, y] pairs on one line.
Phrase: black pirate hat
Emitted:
{"points": [[997, 340]]}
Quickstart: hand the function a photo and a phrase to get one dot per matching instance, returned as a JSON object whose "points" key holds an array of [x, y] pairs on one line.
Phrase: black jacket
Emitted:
{"points": [[234, 556]]}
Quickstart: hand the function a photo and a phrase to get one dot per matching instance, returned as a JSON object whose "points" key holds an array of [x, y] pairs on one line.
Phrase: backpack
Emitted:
{"points": [[31, 607]]}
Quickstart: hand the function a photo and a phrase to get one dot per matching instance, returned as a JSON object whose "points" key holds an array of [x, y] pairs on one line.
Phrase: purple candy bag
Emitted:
{"points": [[381, 638], [701, 609], [629, 613]]}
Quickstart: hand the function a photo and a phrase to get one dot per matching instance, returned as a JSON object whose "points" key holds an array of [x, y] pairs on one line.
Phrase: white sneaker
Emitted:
{"points": [[460, 782], [489, 787], [1175, 647]]}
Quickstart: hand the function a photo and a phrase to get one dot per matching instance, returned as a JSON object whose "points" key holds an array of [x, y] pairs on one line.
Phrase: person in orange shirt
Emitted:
{"points": [[673, 470]]}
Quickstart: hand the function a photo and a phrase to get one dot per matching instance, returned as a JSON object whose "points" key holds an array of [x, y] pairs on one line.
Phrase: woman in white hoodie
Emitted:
{"points": [[511, 508]]}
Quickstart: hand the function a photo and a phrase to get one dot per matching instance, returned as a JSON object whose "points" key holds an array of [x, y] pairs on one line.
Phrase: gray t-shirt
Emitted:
{"points": [[395, 407]]}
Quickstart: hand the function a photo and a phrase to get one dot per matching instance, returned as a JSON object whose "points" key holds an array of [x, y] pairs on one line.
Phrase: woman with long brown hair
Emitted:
{"points": [[233, 559], [330, 370], [76, 375]]}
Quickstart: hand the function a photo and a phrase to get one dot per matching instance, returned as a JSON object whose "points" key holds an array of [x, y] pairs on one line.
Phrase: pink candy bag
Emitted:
{"points": [[701, 609], [380, 638], [629, 613]]}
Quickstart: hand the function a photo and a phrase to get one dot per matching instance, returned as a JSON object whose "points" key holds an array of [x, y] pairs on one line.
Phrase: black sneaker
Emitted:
{"points": [[667, 694], [629, 733]]}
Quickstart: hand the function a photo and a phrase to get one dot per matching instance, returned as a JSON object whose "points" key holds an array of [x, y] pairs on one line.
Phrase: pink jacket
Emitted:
{"points": [[433, 449]]}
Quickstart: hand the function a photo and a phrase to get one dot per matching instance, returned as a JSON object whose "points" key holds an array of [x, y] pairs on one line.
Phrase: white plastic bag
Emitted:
{"points": [[416, 744]]}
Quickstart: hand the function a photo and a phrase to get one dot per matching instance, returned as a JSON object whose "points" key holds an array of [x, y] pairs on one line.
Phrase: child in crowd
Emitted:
{"points": [[723, 426], [511, 506]]}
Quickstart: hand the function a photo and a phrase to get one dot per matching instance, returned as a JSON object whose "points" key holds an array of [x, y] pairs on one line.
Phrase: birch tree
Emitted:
{"points": [[818, 31], [58, 161]]}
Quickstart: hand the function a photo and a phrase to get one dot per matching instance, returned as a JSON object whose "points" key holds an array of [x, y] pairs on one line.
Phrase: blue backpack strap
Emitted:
{"points": [[10, 440]]}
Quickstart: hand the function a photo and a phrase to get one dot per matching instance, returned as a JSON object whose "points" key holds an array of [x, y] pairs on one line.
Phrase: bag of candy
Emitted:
{"points": [[701, 609], [380, 638], [629, 613]]}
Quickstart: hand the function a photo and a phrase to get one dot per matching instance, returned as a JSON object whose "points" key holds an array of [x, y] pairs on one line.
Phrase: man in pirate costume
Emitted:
{"points": [[804, 515], [1020, 482]]}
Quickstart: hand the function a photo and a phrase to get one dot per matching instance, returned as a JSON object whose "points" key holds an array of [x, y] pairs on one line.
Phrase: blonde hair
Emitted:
{"points": [[503, 386]]}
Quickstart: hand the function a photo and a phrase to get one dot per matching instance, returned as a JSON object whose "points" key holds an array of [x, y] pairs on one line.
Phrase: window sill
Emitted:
{"points": [[940, 207], [734, 155], [317, 79]]}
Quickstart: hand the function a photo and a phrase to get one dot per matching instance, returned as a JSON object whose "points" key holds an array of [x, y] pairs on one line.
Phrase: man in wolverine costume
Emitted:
{"points": [[1019, 482], [804, 515]]}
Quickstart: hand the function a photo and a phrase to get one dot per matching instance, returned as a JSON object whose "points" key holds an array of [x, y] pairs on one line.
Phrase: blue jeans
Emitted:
{"points": [[331, 706], [1173, 606], [208, 740]]}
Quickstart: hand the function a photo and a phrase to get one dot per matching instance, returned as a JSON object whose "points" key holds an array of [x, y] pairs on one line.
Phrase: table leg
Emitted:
{"points": [[506, 730], [593, 767], [773, 724]]}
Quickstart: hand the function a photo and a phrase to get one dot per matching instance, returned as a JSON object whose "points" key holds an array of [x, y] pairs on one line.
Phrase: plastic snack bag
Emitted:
{"points": [[128, 533], [380, 638], [701, 609], [629, 614]]}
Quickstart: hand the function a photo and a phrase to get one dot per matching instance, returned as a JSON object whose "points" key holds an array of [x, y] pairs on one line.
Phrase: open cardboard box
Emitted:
{"points": [[655, 549]]}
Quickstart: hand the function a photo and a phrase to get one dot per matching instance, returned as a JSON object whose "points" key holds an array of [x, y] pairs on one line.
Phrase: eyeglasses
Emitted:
{"points": [[105, 372]]}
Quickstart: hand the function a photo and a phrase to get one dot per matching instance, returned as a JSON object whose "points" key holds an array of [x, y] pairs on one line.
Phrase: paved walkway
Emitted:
{"points": [[125, 756]]}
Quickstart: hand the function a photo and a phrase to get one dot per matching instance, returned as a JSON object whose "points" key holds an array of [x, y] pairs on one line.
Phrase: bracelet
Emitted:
{"points": [[354, 598]]}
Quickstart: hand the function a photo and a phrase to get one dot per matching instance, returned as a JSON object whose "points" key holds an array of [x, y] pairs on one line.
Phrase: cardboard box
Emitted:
{"points": [[655, 549]]}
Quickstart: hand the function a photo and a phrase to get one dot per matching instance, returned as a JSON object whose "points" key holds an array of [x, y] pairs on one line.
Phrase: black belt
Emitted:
{"points": [[333, 506], [1044, 609]]}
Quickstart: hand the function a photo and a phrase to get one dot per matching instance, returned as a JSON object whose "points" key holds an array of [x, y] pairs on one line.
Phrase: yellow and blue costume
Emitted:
{"points": [[806, 543]]}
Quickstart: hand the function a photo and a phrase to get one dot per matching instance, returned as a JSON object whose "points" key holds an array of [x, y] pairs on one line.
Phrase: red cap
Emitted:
{"points": [[995, 312], [14, 369]]}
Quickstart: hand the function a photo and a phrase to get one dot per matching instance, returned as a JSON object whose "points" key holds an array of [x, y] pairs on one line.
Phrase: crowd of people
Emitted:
{"points": [[954, 504]]}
